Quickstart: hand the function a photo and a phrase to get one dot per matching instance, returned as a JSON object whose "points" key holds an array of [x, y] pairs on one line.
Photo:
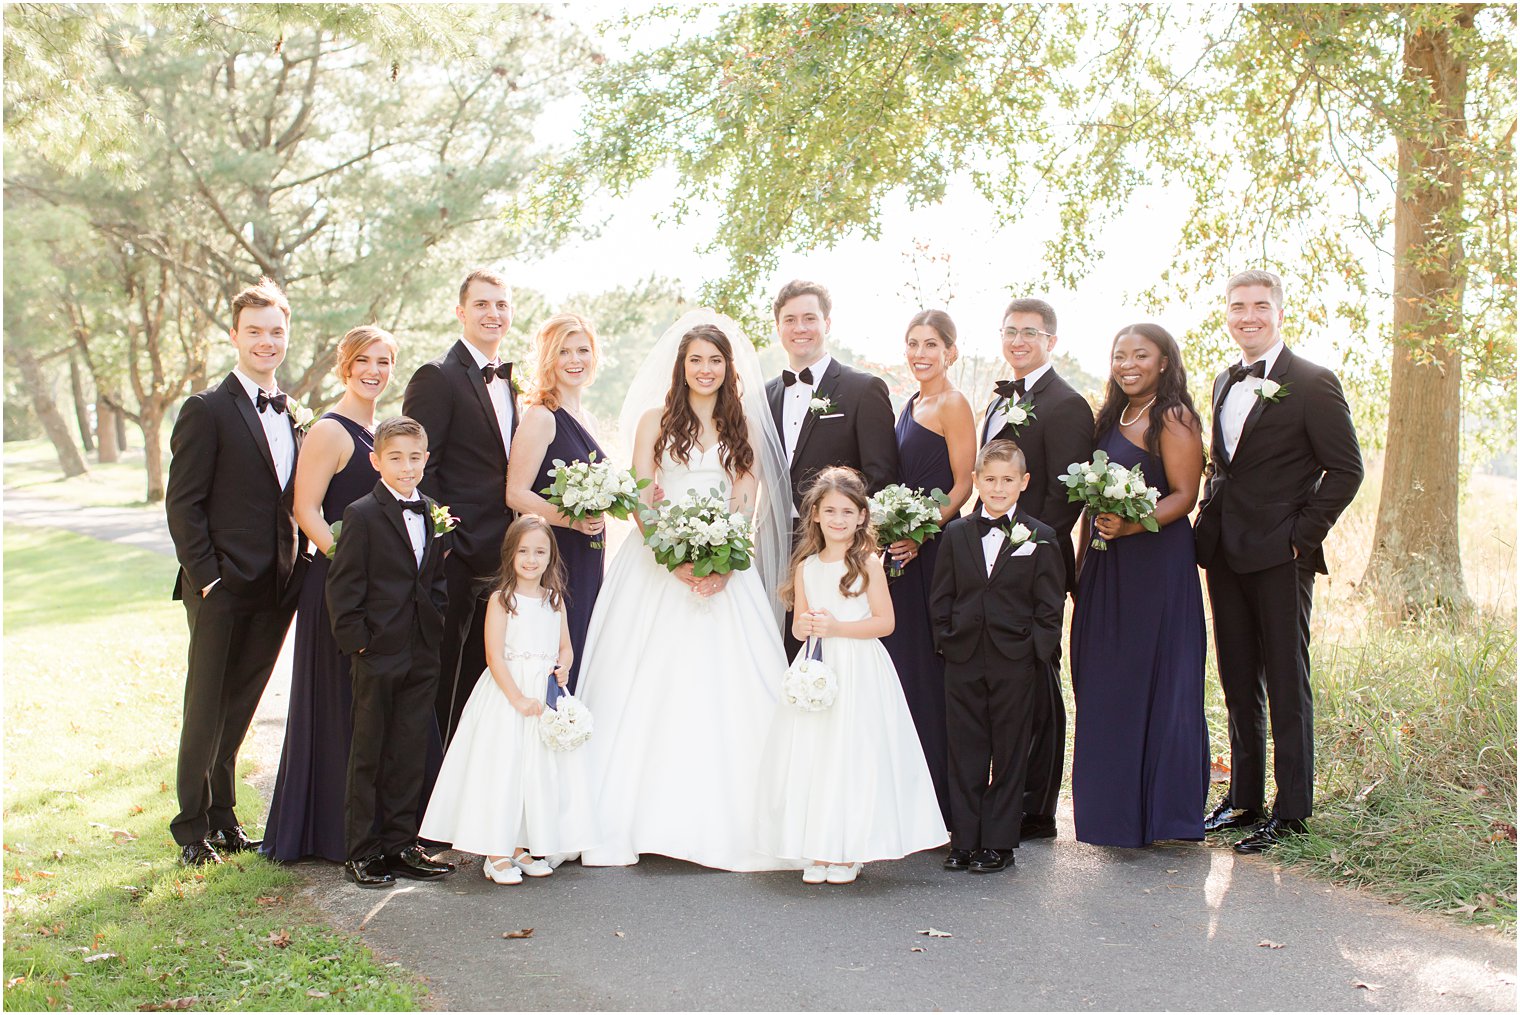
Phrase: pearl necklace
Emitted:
{"points": [[1132, 422]]}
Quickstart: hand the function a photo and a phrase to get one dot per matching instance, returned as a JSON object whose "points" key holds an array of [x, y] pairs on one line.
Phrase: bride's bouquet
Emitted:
{"points": [[565, 723], [811, 684], [1105, 486], [899, 512], [589, 488], [698, 529]]}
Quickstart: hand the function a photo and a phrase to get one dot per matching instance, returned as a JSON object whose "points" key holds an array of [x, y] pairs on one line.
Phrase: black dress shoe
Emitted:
{"points": [[1225, 817], [1271, 832], [412, 862], [233, 840], [958, 860], [198, 854], [1037, 826], [985, 861], [368, 872]]}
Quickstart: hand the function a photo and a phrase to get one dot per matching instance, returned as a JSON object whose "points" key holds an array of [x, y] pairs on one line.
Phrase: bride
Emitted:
{"points": [[683, 673]]}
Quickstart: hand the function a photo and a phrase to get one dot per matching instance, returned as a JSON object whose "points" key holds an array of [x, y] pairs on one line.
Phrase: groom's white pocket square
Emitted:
{"points": [[833, 415], [1023, 550]]}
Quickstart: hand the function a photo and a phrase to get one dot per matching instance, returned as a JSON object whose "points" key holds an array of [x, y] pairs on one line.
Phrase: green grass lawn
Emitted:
{"points": [[98, 914], [32, 467]]}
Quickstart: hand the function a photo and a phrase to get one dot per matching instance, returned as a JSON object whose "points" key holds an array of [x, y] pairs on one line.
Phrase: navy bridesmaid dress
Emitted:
{"points": [[306, 810], [583, 562], [1141, 764], [924, 463]]}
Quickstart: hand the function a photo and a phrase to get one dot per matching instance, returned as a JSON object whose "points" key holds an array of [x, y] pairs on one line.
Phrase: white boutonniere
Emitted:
{"points": [[442, 520], [1017, 414], [300, 417], [1021, 534], [1271, 391], [821, 405]]}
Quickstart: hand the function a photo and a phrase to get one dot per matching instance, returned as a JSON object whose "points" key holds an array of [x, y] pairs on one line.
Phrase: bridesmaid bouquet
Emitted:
{"points": [[1105, 486], [899, 512], [590, 488], [698, 529], [810, 683], [565, 724]]}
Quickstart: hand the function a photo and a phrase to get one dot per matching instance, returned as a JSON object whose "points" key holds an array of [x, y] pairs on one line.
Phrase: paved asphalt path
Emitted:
{"points": [[1071, 927]]}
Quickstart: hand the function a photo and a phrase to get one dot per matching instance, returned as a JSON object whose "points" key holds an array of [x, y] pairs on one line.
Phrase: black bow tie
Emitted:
{"points": [[1004, 523], [1008, 389], [805, 376], [1240, 371], [490, 371], [413, 505], [275, 401]]}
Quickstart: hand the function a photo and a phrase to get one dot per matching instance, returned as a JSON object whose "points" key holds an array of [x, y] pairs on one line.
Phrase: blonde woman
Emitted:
{"points": [[556, 427]]}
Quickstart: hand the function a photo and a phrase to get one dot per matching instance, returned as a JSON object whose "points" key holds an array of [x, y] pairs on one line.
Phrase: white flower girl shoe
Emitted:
{"points": [[815, 874], [509, 876], [532, 867], [843, 874]]}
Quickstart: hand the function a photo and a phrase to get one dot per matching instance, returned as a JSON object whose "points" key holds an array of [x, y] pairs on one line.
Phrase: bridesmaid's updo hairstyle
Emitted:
{"points": [[943, 326], [679, 427], [356, 341], [851, 485], [1172, 398], [553, 581], [551, 338]]}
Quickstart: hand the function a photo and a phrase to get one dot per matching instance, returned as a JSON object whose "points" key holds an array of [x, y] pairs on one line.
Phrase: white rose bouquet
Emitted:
{"points": [[698, 529], [811, 684], [566, 724], [590, 488], [1105, 486], [899, 512]]}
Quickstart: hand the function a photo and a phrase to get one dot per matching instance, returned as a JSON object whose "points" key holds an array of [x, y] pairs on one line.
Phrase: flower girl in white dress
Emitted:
{"points": [[501, 792], [848, 784]]}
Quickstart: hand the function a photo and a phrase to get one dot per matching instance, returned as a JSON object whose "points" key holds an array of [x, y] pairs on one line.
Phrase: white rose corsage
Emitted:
{"points": [[821, 405], [300, 417], [1271, 391], [810, 684]]}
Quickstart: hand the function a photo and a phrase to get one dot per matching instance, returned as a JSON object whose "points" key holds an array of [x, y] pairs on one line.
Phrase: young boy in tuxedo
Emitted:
{"points": [[387, 595], [995, 604]]}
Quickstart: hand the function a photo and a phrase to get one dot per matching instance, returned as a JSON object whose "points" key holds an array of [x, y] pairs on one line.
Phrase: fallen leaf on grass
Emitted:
{"points": [[58, 854], [931, 932], [176, 1004], [525, 932], [1366, 986], [99, 957], [14, 981], [137, 808], [1267, 943], [121, 836], [1366, 791], [1502, 830], [314, 992], [1219, 771], [270, 900], [278, 938], [45, 874]]}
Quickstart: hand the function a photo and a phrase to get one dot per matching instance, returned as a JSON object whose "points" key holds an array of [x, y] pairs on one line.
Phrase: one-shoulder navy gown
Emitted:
{"points": [[306, 810], [584, 564], [923, 463], [1140, 770]]}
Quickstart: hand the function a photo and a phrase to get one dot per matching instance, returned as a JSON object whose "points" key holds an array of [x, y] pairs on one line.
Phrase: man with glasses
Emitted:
{"points": [[1053, 426]]}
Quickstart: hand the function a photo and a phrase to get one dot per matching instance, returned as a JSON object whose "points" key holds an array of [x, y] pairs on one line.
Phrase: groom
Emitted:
{"points": [[229, 502], [466, 403], [827, 413], [1284, 463]]}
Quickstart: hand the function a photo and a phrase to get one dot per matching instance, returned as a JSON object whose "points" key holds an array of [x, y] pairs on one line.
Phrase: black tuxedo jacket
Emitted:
{"points": [[858, 432], [1018, 607], [467, 465], [1060, 433], [1296, 467], [375, 589], [228, 515]]}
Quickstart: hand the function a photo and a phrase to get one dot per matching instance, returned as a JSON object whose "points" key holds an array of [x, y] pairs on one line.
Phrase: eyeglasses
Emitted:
{"points": [[1027, 334]]}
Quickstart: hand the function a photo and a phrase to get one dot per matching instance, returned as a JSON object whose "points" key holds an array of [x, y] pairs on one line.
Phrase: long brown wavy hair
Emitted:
{"points": [[553, 581], [849, 484], [679, 426]]}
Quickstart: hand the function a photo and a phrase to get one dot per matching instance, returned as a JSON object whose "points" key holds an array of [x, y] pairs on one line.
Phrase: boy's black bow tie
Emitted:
{"points": [[1004, 523], [412, 505]]}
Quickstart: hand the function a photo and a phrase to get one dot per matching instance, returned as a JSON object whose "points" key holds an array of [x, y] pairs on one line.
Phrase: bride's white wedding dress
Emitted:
{"points": [[683, 690]]}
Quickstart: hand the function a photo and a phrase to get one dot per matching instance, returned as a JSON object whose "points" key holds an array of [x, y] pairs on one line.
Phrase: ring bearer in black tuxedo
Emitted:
{"points": [[996, 604], [1284, 463], [827, 413], [1053, 426], [387, 596], [229, 504], [466, 401]]}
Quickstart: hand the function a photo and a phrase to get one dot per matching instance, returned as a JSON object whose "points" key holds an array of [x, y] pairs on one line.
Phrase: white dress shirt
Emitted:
{"points": [[999, 416], [277, 429], [501, 397], [993, 541], [1241, 399], [794, 404], [414, 522]]}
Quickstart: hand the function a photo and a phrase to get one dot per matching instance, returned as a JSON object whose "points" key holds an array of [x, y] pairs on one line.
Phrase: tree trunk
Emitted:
{"points": [[152, 424], [81, 406], [1416, 562], [53, 423], [106, 419], [121, 429]]}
